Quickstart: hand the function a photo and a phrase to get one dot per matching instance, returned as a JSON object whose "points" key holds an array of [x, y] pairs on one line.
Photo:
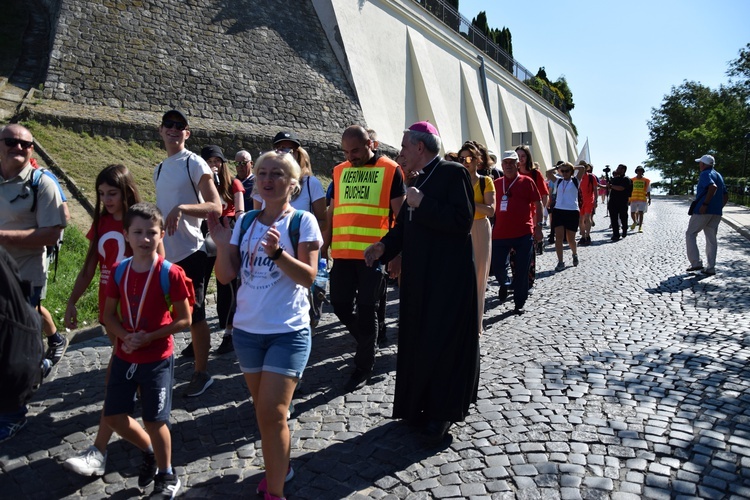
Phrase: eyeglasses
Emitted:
{"points": [[242, 163], [465, 159], [172, 123], [12, 143]]}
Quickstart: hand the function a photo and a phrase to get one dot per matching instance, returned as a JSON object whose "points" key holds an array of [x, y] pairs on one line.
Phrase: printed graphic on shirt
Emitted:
{"points": [[362, 185]]}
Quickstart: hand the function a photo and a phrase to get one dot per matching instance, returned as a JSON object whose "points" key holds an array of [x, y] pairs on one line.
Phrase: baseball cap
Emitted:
{"points": [[492, 155], [175, 112], [425, 126], [707, 159], [212, 151], [285, 136], [510, 155]]}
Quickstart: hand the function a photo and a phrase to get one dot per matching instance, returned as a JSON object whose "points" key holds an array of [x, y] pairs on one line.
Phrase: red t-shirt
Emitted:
{"points": [[518, 219], [110, 249], [229, 210], [589, 184], [155, 312]]}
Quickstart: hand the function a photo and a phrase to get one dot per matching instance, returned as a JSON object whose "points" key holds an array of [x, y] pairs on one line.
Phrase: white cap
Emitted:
{"points": [[510, 155], [707, 159]]}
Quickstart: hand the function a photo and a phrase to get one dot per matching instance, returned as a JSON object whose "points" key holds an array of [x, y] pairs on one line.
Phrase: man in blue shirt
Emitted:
{"points": [[710, 197]]}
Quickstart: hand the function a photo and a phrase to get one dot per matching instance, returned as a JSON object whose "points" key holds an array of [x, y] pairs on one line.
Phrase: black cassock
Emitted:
{"points": [[437, 369]]}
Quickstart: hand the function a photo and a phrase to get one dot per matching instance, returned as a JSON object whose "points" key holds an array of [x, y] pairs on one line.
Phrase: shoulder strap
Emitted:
{"points": [[121, 270], [187, 169], [245, 222], [481, 184], [294, 229], [575, 181], [158, 170], [164, 278], [35, 179]]}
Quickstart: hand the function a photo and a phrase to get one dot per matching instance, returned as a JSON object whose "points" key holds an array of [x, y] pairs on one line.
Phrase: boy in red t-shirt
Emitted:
{"points": [[143, 357]]}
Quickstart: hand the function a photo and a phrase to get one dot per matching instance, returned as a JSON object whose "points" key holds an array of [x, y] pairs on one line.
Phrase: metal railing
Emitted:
{"points": [[458, 23]]}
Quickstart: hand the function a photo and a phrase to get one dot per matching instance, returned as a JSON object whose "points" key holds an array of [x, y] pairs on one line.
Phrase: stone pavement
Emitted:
{"points": [[626, 378]]}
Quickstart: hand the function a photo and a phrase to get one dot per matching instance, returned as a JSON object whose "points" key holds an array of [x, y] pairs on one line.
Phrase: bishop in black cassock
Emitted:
{"points": [[437, 368]]}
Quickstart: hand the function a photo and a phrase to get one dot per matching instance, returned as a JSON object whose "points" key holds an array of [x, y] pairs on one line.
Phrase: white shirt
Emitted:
{"points": [[269, 301], [567, 194], [176, 186]]}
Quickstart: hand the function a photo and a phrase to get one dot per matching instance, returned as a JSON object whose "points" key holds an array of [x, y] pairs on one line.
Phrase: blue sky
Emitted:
{"points": [[621, 58]]}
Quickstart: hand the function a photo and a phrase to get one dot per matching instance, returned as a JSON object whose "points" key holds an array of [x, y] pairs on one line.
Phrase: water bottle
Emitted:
{"points": [[321, 279]]}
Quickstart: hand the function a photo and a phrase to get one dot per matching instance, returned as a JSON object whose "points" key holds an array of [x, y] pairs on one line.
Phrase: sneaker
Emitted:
{"points": [[575, 260], [640, 229], [694, 268], [560, 266], [709, 272], [188, 351], [148, 469], [89, 462], [268, 496], [165, 486], [198, 384], [55, 352], [632, 226], [46, 368], [262, 488], [10, 428], [226, 345]]}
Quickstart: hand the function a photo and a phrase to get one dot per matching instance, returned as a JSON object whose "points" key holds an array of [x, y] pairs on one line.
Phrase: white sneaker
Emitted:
{"points": [[89, 462]]}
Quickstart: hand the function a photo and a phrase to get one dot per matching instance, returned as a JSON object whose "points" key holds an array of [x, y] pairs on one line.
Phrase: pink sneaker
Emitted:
{"points": [[262, 488], [268, 496]]}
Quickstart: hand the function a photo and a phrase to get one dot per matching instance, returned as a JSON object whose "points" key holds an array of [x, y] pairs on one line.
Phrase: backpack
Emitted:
{"points": [[163, 281], [250, 216], [53, 251], [21, 346]]}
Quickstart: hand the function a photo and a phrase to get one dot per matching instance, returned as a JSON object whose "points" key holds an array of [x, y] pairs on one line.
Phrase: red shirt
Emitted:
{"points": [[155, 312], [110, 248], [229, 210], [518, 219]]}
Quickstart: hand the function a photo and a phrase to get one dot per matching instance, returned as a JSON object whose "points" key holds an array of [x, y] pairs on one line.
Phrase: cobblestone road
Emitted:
{"points": [[626, 378]]}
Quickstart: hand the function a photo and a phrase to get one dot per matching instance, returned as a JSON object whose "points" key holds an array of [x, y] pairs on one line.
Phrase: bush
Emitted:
{"points": [[59, 285]]}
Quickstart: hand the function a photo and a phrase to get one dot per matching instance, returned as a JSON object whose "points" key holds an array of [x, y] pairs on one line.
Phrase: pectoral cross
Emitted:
{"points": [[410, 209]]}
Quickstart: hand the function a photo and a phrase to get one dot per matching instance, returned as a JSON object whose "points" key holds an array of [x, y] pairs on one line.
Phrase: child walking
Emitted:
{"points": [[115, 193], [143, 360]]}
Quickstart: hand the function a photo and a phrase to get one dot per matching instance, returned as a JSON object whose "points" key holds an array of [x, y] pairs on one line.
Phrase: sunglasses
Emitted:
{"points": [[566, 171], [12, 143], [172, 123], [242, 163], [465, 159]]}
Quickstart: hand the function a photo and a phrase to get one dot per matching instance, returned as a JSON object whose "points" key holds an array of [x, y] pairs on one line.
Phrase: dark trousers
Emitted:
{"points": [[618, 215], [524, 247], [355, 293]]}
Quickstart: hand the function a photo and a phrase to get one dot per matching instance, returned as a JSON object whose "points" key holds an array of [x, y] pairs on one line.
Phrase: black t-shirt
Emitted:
{"points": [[620, 196]]}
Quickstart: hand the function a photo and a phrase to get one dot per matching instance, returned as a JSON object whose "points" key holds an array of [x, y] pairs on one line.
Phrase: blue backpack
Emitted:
{"points": [[250, 216], [163, 281]]}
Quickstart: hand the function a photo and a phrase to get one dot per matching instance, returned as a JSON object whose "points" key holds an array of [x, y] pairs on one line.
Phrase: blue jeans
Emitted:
{"points": [[524, 246]]}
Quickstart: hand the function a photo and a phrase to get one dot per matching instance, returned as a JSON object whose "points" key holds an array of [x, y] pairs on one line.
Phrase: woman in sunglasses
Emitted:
{"points": [[470, 157], [566, 214]]}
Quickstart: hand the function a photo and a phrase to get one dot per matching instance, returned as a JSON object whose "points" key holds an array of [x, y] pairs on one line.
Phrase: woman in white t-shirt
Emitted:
{"points": [[272, 324]]}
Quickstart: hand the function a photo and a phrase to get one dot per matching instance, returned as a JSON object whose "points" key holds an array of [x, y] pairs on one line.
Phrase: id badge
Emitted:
{"points": [[503, 205]]}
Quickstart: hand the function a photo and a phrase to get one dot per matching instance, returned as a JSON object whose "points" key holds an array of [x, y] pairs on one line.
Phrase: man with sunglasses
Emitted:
{"points": [[28, 224], [244, 163], [186, 194]]}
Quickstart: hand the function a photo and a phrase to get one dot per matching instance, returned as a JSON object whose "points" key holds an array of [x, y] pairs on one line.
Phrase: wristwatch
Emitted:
{"points": [[276, 254]]}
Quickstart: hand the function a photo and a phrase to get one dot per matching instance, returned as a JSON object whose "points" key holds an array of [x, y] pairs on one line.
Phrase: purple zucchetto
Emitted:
{"points": [[424, 127]]}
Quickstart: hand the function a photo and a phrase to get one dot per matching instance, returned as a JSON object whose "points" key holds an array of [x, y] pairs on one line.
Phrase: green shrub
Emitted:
{"points": [[60, 284]]}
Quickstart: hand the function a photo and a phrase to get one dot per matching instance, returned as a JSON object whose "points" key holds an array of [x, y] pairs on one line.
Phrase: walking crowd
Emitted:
{"points": [[267, 232]]}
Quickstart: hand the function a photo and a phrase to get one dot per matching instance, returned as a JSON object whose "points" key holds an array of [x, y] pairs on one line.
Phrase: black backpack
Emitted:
{"points": [[21, 346]]}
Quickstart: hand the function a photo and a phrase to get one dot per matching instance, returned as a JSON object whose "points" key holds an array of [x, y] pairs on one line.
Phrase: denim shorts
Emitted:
{"points": [[282, 353], [155, 381]]}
